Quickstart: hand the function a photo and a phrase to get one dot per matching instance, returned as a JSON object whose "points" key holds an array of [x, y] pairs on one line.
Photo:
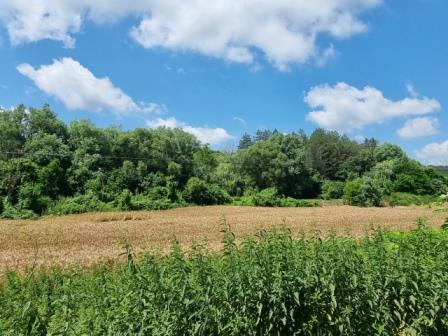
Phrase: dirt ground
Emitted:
{"points": [[90, 238]]}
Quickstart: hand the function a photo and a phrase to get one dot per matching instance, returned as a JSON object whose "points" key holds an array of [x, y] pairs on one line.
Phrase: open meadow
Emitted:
{"points": [[96, 237]]}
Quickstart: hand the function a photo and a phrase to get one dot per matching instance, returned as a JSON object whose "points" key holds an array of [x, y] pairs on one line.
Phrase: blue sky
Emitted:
{"points": [[218, 69]]}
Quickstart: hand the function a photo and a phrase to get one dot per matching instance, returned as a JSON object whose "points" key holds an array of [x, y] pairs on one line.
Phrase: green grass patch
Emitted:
{"points": [[406, 199]]}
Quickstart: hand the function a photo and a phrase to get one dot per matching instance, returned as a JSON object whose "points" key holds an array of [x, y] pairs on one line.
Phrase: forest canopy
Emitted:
{"points": [[49, 167]]}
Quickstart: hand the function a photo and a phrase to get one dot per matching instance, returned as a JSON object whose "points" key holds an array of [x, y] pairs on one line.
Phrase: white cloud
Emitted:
{"points": [[284, 31], [58, 20], [345, 108], [240, 120], [434, 153], [205, 135], [419, 127], [78, 88], [412, 91]]}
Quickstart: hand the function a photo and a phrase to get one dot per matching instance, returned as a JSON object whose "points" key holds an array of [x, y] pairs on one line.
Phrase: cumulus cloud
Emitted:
{"points": [[419, 127], [285, 32], [345, 108], [434, 153], [205, 135], [58, 20], [78, 88]]}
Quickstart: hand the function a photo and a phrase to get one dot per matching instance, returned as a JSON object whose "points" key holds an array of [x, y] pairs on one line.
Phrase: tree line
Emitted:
{"points": [[49, 167]]}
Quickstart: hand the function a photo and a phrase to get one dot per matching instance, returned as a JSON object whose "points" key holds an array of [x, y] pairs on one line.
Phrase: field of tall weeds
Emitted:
{"points": [[386, 283]]}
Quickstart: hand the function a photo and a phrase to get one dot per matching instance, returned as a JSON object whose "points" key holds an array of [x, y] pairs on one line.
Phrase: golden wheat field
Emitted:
{"points": [[89, 238]]}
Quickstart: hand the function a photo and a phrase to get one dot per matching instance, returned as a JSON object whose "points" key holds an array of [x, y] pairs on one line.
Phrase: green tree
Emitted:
{"points": [[388, 151], [278, 162], [12, 132], [45, 121], [245, 141], [331, 154]]}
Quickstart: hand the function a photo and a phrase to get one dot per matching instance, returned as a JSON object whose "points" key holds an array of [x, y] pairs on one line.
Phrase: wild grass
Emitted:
{"points": [[387, 283], [406, 199]]}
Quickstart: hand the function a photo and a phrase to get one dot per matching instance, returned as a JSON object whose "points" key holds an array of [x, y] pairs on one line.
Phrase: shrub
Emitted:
{"points": [[243, 201], [145, 202], [200, 192], [406, 199], [31, 197], [362, 192], [289, 202], [79, 204], [11, 212], [157, 193], [123, 201], [270, 198], [332, 189], [352, 191], [267, 198]]}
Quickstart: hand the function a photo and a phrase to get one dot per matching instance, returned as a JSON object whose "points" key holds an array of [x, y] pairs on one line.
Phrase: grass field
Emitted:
{"points": [[91, 238]]}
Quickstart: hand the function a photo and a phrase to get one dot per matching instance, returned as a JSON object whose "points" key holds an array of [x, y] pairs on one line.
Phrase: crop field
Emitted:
{"points": [[90, 238], [389, 283]]}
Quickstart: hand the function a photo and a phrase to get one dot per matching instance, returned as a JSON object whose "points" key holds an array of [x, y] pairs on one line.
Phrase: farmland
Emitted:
{"points": [[388, 283], [90, 238]]}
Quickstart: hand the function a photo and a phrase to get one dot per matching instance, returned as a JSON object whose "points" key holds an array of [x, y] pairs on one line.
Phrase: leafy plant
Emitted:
{"points": [[362, 192], [406, 199], [201, 193], [332, 189], [268, 197], [388, 283]]}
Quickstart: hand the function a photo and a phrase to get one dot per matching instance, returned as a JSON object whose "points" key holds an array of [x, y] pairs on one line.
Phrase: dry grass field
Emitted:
{"points": [[89, 238]]}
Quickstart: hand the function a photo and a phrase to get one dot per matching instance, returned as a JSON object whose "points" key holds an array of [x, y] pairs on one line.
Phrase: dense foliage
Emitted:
{"points": [[48, 167], [385, 284], [442, 169]]}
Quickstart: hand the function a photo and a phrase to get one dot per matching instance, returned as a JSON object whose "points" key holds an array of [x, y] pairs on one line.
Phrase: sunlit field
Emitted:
{"points": [[90, 238]]}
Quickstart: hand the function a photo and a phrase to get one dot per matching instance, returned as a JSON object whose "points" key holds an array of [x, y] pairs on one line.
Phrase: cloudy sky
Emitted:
{"points": [[217, 69]]}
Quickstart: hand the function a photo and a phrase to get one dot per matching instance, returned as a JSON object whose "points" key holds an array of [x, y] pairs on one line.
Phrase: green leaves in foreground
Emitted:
{"points": [[386, 284]]}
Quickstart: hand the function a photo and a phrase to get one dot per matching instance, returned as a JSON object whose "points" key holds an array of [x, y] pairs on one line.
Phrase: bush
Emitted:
{"points": [[270, 198], [11, 212], [362, 192], [123, 201], [332, 190], [79, 204], [290, 202], [145, 202], [267, 198], [406, 199], [200, 192], [157, 193], [243, 201], [31, 197]]}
